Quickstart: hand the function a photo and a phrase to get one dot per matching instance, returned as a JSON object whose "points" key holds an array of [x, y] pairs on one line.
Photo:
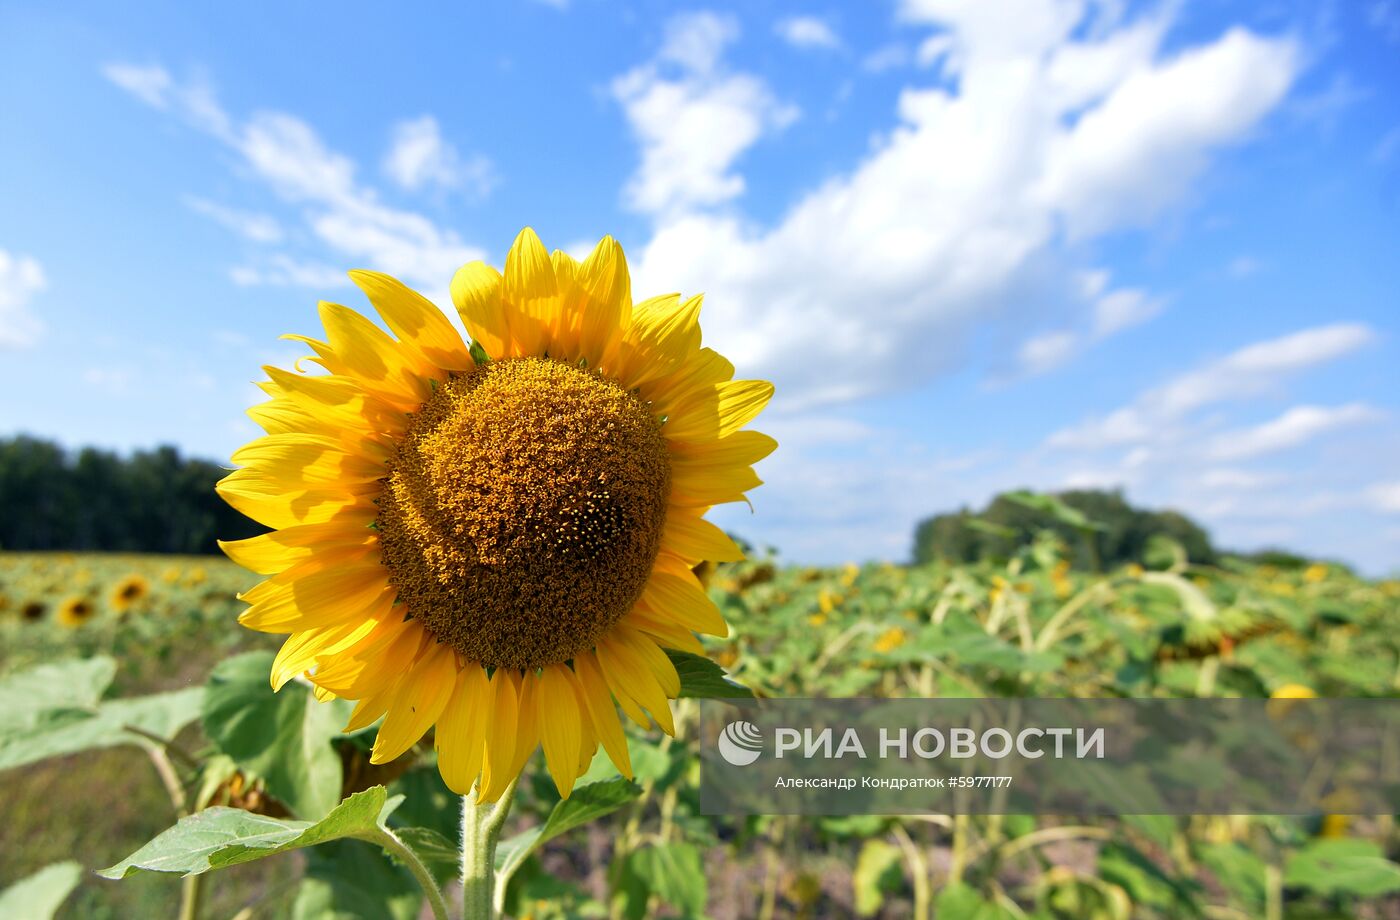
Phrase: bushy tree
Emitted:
{"points": [[1099, 526], [152, 501]]}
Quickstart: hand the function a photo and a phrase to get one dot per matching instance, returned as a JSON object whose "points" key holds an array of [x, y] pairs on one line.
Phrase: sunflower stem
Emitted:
{"points": [[481, 828]]}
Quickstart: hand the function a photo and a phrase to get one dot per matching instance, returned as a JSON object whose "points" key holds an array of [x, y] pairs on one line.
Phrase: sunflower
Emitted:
{"points": [[129, 592], [75, 611], [32, 611], [499, 540]]}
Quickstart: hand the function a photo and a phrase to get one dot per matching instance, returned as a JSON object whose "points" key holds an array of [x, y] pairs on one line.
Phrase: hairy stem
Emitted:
{"points": [[481, 828], [401, 851]]}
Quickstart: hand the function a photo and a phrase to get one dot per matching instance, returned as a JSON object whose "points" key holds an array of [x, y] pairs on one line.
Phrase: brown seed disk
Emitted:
{"points": [[523, 510]]}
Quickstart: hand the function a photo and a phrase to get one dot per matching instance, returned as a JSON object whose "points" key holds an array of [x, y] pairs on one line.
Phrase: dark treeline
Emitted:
{"points": [[1120, 532], [153, 501]]}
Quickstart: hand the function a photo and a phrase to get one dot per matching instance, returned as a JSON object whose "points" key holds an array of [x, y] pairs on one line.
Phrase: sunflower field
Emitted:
{"points": [[131, 708]]}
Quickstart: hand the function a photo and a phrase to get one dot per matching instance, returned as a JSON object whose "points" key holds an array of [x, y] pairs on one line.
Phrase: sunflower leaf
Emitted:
{"points": [[701, 678], [220, 837], [283, 738], [38, 896], [587, 803], [58, 732]]}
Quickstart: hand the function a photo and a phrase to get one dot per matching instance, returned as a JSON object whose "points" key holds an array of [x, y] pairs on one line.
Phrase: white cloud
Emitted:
{"points": [[1246, 372], [419, 156], [807, 32], [692, 119], [887, 57], [151, 84], [260, 228], [1242, 267], [1294, 427], [1044, 352], [958, 215], [21, 277], [1238, 480], [287, 154], [1161, 122], [284, 271], [1386, 495]]}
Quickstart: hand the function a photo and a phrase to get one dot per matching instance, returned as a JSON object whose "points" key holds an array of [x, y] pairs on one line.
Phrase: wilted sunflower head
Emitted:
{"points": [[499, 541], [129, 592], [75, 611]]}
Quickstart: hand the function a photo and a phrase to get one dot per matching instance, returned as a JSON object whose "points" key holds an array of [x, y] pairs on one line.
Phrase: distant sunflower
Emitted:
{"points": [[75, 611], [33, 611], [129, 592], [499, 540]]}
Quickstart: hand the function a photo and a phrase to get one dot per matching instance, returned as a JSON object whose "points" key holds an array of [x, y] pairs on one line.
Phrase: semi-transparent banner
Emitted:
{"points": [[1081, 757]]}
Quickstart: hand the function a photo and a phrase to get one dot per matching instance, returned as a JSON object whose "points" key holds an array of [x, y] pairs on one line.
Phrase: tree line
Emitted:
{"points": [[153, 501], [1099, 528]]}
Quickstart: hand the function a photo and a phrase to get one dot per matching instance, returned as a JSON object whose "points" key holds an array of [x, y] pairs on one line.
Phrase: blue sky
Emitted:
{"points": [[976, 246]]}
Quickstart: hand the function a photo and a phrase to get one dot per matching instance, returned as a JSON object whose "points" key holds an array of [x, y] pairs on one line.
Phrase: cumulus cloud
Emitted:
{"points": [[419, 157], [260, 228], [283, 271], [21, 277], [1039, 132], [1247, 372], [1296, 426], [1386, 495], [693, 119], [807, 32], [286, 153]]}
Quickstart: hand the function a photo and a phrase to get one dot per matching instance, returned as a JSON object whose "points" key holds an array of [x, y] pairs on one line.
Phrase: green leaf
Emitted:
{"points": [[877, 874], [1239, 871], [674, 873], [430, 846], [220, 837], [701, 678], [27, 697], [1354, 867], [348, 881], [588, 803], [283, 738], [38, 896], [57, 732], [960, 901]]}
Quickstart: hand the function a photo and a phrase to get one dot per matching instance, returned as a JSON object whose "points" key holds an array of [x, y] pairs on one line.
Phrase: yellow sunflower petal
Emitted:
{"points": [[530, 293], [360, 349], [716, 413], [461, 732], [696, 539], [320, 599], [476, 292], [604, 278], [418, 700], [499, 752], [278, 550], [628, 674], [559, 717], [415, 319], [602, 711], [684, 601]]}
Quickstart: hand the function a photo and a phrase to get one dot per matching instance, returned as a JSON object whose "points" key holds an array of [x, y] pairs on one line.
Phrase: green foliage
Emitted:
{"points": [[877, 873], [282, 738], [701, 678], [38, 896], [151, 501], [55, 709], [588, 803], [1100, 528], [1343, 867], [218, 837]]}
